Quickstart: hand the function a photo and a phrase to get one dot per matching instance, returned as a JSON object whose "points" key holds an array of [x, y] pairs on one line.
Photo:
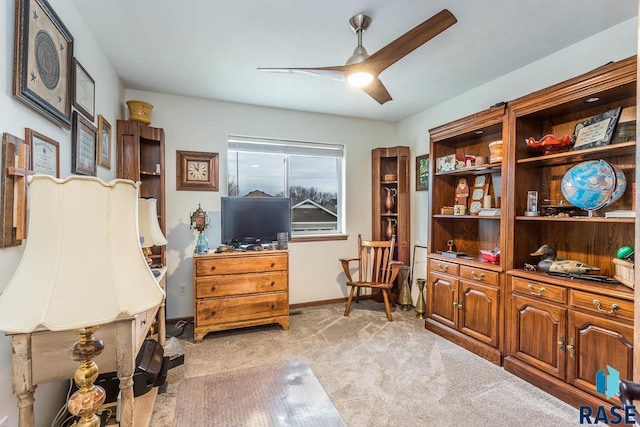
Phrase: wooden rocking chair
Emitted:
{"points": [[376, 270]]}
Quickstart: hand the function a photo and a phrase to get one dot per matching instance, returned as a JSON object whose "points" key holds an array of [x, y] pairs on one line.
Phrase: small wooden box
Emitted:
{"points": [[446, 210], [624, 272]]}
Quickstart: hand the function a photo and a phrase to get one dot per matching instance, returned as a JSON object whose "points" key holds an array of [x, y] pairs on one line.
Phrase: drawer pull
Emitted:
{"points": [[455, 304], [213, 267], [443, 267], [539, 293], [213, 313], [273, 284], [273, 306], [561, 344], [613, 309], [477, 276], [213, 289], [570, 348], [273, 264]]}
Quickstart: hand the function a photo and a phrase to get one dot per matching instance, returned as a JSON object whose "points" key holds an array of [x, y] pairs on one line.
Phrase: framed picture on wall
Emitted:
{"points": [[84, 91], [83, 146], [422, 172], [104, 142], [45, 153], [42, 65]]}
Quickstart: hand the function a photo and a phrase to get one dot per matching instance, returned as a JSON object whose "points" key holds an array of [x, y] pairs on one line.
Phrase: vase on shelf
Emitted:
{"points": [[391, 227], [389, 202]]}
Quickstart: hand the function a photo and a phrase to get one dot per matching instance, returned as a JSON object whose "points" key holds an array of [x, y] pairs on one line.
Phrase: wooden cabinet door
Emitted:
{"points": [[538, 334], [442, 299], [478, 311], [597, 343]]}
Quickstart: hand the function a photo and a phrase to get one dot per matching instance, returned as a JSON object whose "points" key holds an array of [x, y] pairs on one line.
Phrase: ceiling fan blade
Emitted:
{"points": [[337, 72], [377, 91], [408, 42]]}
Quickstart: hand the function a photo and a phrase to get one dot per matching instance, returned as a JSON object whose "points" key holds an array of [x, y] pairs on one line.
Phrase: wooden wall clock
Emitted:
{"points": [[196, 171]]}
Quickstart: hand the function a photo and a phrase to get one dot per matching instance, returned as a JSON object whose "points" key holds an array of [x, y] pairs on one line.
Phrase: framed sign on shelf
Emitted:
{"points": [[422, 172], [104, 142], [45, 153], [84, 91], [42, 65], [83, 146], [596, 131]]}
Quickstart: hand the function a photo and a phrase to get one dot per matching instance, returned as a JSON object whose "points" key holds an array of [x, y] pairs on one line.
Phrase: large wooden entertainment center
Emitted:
{"points": [[238, 289], [555, 332]]}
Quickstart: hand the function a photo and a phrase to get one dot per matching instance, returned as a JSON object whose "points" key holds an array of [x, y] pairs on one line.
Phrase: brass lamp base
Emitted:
{"points": [[147, 255], [89, 397]]}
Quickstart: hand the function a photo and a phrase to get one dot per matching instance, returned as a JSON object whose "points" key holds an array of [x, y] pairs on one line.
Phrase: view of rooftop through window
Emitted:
{"points": [[309, 173]]}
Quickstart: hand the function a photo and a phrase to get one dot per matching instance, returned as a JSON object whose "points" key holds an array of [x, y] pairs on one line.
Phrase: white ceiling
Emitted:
{"points": [[211, 48]]}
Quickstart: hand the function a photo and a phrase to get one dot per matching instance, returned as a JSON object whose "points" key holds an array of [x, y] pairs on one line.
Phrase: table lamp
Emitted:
{"points": [[200, 220], [148, 226], [82, 267]]}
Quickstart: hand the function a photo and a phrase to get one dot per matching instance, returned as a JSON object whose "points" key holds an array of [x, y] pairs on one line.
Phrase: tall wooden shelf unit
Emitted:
{"points": [[384, 162], [560, 332], [140, 151], [465, 294]]}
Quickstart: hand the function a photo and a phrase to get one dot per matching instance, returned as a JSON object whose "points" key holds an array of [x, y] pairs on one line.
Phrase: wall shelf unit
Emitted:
{"points": [[141, 158], [391, 161], [464, 293], [576, 329]]}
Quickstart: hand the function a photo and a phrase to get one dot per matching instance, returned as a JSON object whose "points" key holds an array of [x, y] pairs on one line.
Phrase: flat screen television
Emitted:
{"points": [[251, 220]]}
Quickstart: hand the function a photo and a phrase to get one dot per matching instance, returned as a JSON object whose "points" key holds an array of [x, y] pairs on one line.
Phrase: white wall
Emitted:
{"points": [[14, 118], [200, 125], [616, 43]]}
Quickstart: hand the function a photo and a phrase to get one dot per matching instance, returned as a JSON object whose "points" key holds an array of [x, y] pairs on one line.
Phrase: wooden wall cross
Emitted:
{"points": [[16, 166]]}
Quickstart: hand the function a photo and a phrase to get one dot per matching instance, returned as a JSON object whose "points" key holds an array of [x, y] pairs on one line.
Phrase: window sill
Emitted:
{"points": [[318, 238]]}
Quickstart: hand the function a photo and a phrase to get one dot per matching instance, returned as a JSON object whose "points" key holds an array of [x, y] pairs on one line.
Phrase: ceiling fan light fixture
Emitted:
{"points": [[359, 78], [359, 55]]}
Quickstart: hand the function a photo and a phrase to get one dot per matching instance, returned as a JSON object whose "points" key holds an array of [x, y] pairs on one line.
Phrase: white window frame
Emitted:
{"points": [[237, 143]]}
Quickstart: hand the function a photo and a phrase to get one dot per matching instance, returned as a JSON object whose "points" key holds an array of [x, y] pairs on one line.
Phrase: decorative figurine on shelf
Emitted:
{"points": [[389, 202], [552, 264], [462, 192]]}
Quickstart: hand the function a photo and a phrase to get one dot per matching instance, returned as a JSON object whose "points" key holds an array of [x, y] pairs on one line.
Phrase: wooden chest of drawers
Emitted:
{"points": [[239, 289]]}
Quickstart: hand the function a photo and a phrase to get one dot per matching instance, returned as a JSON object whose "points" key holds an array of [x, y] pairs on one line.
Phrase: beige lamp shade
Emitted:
{"points": [[82, 263], [149, 228]]}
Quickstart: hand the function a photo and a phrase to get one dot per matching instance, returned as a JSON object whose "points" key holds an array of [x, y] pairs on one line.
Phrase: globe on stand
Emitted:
{"points": [[592, 185]]}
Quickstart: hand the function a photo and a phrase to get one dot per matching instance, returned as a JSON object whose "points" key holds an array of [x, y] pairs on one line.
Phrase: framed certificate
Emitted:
{"points": [[45, 153]]}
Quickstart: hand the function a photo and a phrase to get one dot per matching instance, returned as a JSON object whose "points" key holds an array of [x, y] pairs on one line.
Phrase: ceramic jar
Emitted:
{"points": [[140, 111]]}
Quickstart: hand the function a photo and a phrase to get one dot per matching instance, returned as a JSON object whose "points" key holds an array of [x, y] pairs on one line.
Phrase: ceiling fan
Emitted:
{"points": [[362, 69]]}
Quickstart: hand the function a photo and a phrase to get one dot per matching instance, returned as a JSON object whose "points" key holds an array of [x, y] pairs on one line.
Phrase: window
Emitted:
{"points": [[311, 174]]}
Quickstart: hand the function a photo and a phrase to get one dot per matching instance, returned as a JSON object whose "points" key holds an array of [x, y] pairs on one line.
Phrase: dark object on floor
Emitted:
{"points": [[280, 394], [150, 372]]}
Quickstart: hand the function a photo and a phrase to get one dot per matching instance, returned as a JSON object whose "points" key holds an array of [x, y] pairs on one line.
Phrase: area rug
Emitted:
{"points": [[280, 394]]}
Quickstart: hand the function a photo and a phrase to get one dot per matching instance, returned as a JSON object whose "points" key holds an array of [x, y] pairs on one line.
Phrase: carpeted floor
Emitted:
{"points": [[376, 373]]}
